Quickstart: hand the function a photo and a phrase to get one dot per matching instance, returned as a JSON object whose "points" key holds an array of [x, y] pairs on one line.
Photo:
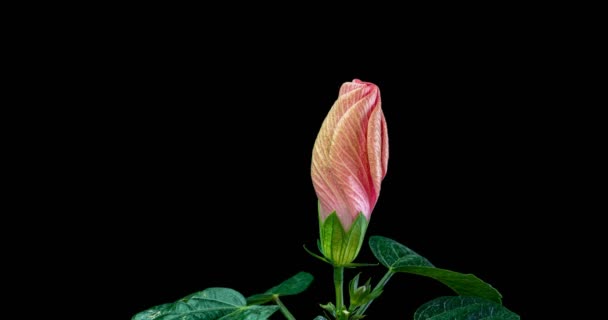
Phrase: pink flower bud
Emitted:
{"points": [[350, 155]]}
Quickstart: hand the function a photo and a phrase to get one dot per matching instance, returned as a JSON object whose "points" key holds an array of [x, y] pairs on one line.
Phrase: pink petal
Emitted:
{"points": [[377, 148], [350, 154]]}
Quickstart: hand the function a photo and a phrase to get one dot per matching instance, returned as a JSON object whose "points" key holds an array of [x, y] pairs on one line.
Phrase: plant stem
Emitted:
{"points": [[283, 308], [379, 286], [338, 284]]}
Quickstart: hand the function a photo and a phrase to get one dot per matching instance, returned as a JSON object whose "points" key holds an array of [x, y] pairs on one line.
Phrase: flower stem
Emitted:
{"points": [[379, 286], [339, 285], [283, 308]]}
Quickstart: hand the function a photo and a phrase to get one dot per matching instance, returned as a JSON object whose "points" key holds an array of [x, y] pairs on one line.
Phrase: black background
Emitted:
{"points": [[199, 157]]}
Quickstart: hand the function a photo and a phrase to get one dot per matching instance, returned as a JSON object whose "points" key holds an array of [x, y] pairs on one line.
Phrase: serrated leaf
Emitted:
{"points": [[393, 254], [209, 304], [462, 284], [294, 285], [463, 308]]}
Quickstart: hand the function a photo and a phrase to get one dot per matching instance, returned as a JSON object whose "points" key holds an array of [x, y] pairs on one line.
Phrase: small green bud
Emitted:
{"points": [[363, 294], [330, 308]]}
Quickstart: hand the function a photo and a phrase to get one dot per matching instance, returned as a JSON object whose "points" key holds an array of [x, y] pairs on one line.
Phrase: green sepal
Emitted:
{"points": [[341, 247], [349, 265], [316, 255]]}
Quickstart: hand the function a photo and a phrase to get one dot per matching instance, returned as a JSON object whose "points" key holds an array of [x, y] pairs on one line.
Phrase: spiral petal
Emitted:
{"points": [[350, 154]]}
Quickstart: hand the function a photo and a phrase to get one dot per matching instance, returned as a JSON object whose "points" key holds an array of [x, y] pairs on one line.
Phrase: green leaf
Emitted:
{"points": [[319, 318], [463, 308], [209, 304], [294, 285], [259, 298], [462, 284], [393, 254], [252, 313], [399, 258]]}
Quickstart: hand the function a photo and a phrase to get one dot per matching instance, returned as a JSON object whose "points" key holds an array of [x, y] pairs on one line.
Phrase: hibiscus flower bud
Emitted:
{"points": [[349, 162]]}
